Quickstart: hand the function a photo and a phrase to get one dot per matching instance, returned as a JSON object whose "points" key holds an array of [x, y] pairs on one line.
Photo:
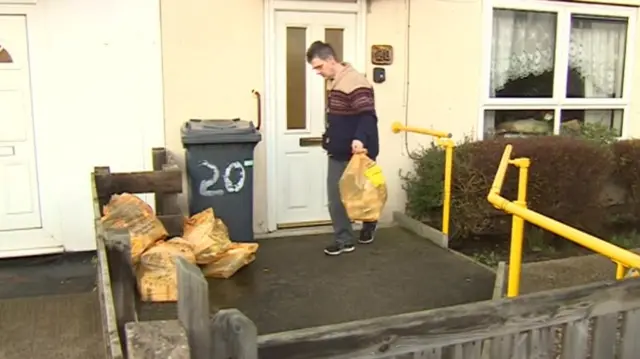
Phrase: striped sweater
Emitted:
{"points": [[351, 115]]}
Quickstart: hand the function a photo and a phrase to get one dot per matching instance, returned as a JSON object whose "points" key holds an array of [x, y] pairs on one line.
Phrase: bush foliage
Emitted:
{"points": [[567, 179], [626, 174]]}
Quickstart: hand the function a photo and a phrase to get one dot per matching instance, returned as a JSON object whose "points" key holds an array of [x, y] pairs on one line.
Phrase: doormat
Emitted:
{"points": [[65, 273]]}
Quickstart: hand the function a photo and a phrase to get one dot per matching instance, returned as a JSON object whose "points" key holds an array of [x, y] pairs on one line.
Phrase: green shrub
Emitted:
{"points": [[593, 132], [627, 175], [424, 185], [565, 180]]}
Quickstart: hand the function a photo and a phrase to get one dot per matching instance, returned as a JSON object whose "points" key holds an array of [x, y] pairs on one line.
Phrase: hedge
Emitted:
{"points": [[568, 179]]}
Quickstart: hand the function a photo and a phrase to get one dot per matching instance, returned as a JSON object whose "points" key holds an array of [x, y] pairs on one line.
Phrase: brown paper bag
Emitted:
{"points": [[363, 189], [230, 261], [131, 212], [208, 235]]}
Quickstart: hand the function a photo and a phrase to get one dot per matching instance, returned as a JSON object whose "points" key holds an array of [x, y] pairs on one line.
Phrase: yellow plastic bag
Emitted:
{"points": [[157, 286], [209, 235], [363, 189], [227, 263], [157, 273], [162, 256], [131, 212], [197, 219]]}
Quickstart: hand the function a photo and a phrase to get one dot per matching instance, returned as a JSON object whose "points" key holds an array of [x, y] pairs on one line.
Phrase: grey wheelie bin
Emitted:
{"points": [[219, 161]]}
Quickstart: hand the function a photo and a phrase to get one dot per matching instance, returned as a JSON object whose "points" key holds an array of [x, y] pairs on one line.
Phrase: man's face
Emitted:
{"points": [[324, 68]]}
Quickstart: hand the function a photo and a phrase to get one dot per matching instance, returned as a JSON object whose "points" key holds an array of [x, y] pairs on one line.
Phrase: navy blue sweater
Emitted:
{"points": [[351, 115]]}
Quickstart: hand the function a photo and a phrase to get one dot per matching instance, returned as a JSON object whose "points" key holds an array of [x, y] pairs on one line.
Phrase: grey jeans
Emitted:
{"points": [[342, 229]]}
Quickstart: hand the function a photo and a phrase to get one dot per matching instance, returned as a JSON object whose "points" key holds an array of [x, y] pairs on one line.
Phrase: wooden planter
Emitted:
{"points": [[116, 279], [595, 321]]}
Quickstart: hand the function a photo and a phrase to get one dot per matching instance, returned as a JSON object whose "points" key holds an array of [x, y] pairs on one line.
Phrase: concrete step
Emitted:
{"points": [[567, 272], [292, 284]]}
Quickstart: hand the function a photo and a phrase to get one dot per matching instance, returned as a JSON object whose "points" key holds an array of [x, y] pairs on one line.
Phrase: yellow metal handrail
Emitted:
{"points": [[443, 139], [622, 257]]}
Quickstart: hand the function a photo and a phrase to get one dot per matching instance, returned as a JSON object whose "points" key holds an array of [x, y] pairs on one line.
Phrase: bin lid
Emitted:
{"points": [[197, 131]]}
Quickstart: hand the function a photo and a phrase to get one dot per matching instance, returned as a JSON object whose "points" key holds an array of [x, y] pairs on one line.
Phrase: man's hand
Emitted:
{"points": [[357, 146]]}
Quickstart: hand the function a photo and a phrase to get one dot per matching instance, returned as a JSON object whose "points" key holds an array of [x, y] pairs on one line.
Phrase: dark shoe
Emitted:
{"points": [[367, 235], [335, 250]]}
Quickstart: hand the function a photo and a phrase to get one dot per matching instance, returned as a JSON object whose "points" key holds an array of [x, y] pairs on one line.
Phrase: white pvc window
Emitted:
{"points": [[552, 65]]}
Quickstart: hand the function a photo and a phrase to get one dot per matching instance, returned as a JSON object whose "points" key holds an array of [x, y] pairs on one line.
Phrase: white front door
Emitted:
{"points": [[300, 112], [19, 198]]}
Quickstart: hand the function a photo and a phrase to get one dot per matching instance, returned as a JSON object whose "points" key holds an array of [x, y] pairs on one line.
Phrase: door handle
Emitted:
{"points": [[7, 151], [259, 105], [310, 141]]}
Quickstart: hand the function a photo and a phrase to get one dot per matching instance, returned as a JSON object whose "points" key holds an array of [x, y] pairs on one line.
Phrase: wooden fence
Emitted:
{"points": [[598, 321], [601, 320], [115, 277]]}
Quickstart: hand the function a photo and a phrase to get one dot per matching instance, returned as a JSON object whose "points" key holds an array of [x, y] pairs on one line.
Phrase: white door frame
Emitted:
{"points": [[45, 239], [359, 8]]}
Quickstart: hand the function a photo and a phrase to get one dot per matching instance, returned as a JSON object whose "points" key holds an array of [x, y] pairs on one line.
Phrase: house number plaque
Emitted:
{"points": [[381, 54]]}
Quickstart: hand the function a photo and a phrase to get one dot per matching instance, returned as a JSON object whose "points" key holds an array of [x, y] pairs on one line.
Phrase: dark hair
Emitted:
{"points": [[320, 50]]}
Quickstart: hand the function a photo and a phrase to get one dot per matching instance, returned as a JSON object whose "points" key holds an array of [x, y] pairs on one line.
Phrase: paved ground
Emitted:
{"points": [[561, 273], [49, 309], [293, 285], [51, 327]]}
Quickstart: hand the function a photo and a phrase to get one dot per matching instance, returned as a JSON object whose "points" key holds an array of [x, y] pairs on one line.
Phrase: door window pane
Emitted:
{"points": [[518, 123], [296, 78], [596, 57], [5, 57], [595, 121], [522, 54], [335, 38]]}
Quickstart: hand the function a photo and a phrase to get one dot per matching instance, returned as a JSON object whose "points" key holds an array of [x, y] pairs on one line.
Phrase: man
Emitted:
{"points": [[351, 127]]}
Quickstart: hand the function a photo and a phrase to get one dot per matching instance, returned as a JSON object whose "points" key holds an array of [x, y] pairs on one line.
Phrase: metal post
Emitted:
{"points": [[444, 140], [517, 229], [620, 270], [448, 169]]}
